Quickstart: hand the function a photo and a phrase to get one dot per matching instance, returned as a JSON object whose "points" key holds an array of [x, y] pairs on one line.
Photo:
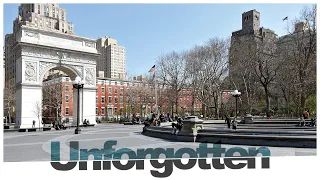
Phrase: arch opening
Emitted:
{"points": [[57, 101]]}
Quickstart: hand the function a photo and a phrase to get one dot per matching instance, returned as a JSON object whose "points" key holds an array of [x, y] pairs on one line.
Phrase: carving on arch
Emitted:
{"points": [[90, 76], [30, 71], [31, 34]]}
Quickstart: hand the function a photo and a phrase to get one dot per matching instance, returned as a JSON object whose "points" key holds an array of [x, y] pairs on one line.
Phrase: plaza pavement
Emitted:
{"points": [[35, 146]]}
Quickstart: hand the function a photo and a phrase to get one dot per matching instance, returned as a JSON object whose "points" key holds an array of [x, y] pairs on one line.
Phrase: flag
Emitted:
{"points": [[153, 68], [286, 18]]}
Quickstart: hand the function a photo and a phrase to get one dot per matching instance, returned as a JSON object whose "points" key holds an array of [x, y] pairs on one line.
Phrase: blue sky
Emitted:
{"points": [[149, 30]]}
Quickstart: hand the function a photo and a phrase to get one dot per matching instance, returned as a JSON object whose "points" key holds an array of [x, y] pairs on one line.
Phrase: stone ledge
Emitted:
{"points": [[255, 131], [235, 139]]}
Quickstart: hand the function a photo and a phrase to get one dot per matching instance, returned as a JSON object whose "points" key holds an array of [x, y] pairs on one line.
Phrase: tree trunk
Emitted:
{"points": [[267, 101], [192, 104], [302, 102], [216, 106], [204, 111]]}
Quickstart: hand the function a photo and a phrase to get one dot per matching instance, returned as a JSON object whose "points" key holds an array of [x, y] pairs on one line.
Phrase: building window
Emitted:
{"points": [[110, 90], [102, 90], [116, 100], [102, 100], [96, 99], [39, 8], [96, 110], [97, 90], [115, 90], [67, 111], [67, 98], [109, 99], [121, 99], [102, 111], [121, 91]]}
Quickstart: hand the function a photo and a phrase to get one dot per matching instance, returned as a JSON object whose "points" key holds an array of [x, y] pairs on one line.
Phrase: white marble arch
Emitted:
{"points": [[37, 53]]}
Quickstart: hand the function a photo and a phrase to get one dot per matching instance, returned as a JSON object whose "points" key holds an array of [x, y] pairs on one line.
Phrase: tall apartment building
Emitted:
{"points": [[48, 17], [247, 39], [112, 59]]}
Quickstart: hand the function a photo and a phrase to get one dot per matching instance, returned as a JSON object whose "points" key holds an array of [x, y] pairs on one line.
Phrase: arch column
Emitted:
{"points": [[28, 94], [28, 105], [87, 99]]}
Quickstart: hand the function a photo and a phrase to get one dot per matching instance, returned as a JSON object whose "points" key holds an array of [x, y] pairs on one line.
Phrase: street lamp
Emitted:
{"points": [[78, 84], [236, 94]]}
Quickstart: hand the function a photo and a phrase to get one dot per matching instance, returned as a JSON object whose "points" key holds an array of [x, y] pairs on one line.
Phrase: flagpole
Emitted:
{"points": [[288, 24], [155, 89]]}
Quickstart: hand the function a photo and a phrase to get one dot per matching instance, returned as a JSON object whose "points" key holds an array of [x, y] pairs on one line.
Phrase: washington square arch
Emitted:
{"points": [[39, 51]]}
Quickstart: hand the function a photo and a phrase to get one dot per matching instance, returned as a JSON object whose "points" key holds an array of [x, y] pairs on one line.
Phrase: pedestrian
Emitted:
{"points": [[302, 121], [306, 114], [228, 121], [33, 124]]}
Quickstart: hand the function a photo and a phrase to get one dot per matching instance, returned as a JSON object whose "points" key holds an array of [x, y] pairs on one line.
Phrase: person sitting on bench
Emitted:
{"points": [[177, 126], [86, 122], [302, 121], [234, 124]]}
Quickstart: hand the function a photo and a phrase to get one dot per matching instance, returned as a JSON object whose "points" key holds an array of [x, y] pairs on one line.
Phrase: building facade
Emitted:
{"points": [[112, 61], [114, 99]]}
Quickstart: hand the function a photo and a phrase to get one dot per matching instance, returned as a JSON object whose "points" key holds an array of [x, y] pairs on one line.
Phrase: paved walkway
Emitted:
{"points": [[35, 146]]}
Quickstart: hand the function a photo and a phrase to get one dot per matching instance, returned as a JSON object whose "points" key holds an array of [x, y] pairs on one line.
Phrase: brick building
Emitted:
{"points": [[115, 98], [57, 99]]}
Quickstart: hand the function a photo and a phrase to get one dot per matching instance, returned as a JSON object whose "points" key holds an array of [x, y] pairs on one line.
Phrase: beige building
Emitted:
{"points": [[112, 60], [45, 16], [48, 17]]}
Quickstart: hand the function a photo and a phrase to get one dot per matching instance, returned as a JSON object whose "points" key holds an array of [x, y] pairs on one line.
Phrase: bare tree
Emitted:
{"points": [[10, 100], [266, 66], [37, 110], [54, 95], [207, 66], [299, 49], [171, 71], [241, 73]]}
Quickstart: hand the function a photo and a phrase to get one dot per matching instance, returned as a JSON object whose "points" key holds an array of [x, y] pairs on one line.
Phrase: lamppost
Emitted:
{"points": [[78, 84], [236, 94]]}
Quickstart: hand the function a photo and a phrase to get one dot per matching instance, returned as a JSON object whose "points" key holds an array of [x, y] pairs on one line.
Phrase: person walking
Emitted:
{"points": [[228, 121], [33, 123], [302, 121]]}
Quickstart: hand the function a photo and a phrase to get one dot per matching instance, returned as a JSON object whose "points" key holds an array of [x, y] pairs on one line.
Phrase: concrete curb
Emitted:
{"points": [[41, 129]]}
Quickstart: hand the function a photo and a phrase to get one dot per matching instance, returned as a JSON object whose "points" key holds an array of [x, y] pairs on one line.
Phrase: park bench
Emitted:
{"points": [[28, 130]]}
